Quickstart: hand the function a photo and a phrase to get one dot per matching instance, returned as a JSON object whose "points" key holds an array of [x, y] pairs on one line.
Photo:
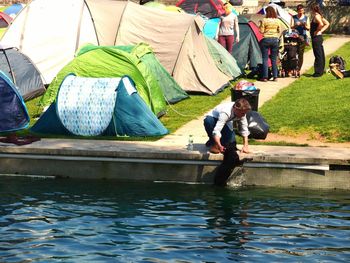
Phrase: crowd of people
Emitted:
{"points": [[218, 123], [271, 29]]}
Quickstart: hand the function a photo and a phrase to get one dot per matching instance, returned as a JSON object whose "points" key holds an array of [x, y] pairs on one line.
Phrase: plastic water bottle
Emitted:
{"points": [[190, 142]]}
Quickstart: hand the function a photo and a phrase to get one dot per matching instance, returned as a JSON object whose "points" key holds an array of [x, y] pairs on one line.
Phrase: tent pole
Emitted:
{"points": [[93, 22], [11, 72]]}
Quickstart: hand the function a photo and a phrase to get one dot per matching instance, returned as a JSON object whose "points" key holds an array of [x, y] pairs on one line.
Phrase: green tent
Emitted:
{"points": [[247, 51], [110, 61], [224, 60], [172, 91]]}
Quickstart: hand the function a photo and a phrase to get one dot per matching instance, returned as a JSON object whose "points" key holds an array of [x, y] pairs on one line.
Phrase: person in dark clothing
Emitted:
{"points": [[301, 23], [318, 25], [231, 161]]}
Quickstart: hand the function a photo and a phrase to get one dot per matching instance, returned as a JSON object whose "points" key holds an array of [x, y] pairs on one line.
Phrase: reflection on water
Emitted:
{"points": [[112, 221]]}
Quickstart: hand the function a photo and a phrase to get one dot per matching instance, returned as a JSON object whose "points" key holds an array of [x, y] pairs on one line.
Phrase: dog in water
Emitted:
{"points": [[231, 160]]}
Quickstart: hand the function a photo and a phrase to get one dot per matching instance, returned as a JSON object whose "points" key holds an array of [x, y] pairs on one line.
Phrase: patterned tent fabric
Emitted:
{"points": [[85, 105]]}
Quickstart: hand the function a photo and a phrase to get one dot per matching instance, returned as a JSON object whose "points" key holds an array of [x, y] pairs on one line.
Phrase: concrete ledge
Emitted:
{"points": [[275, 177], [310, 167]]}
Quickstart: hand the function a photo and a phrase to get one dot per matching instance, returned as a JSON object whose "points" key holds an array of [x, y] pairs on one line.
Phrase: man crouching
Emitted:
{"points": [[218, 124]]}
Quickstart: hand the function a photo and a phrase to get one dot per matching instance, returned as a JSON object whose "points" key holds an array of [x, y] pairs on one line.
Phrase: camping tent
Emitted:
{"points": [[247, 50], [208, 8], [283, 14], [153, 82], [5, 20], [176, 38], [99, 107], [223, 58], [13, 111], [22, 72]]}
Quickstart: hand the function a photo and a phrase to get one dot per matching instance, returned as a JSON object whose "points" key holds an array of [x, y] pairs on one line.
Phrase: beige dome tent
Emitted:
{"points": [[51, 31]]}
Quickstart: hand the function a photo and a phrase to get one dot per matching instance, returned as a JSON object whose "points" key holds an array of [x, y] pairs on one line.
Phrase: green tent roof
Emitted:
{"points": [[114, 61], [224, 60]]}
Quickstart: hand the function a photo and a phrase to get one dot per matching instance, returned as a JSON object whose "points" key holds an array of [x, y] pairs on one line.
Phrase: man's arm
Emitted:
{"points": [[245, 148], [218, 143]]}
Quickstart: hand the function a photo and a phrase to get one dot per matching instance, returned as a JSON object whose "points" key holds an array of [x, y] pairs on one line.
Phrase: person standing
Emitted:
{"points": [[271, 29], [301, 23], [318, 25], [227, 28], [218, 125]]}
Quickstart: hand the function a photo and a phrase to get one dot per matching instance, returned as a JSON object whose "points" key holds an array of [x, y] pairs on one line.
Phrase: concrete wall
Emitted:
{"points": [[287, 178], [180, 170]]}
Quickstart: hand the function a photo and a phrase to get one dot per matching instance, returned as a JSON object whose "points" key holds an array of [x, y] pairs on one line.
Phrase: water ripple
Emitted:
{"points": [[97, 221]]}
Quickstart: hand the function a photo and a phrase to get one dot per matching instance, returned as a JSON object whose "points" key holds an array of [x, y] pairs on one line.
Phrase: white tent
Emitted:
{"points": [[281, 12], [51, 31]]}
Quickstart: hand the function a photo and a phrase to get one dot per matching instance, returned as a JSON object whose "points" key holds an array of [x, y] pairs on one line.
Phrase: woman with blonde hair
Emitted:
{"points": [[318, 25], [271, 29], [227, 28]]}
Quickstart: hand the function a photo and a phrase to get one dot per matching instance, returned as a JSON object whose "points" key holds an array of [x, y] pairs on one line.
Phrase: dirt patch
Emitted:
{"points": [[304, 139]]}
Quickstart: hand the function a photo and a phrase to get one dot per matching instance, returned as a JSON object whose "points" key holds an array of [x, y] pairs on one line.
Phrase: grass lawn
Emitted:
{"points": [[316, 106]]}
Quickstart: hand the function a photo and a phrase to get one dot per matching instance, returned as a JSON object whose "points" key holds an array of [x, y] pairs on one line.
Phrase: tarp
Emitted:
{"points": [[22, 72], [13, 112], [51, 41], [99, 107]]}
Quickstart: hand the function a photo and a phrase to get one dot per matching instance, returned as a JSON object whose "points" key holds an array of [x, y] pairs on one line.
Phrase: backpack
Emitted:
{"points": [[257, 125], [338, 62]]}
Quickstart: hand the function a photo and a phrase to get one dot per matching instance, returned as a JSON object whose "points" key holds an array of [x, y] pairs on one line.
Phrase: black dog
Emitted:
{"points": [[231, 160]]}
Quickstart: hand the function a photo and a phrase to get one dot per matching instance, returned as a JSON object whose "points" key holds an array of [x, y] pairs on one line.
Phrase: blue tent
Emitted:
{"points": [[13, 112], [211, 27], [99, 107]]}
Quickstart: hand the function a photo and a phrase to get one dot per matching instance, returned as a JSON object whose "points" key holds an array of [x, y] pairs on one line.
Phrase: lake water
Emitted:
{"points": [[66, 220]]}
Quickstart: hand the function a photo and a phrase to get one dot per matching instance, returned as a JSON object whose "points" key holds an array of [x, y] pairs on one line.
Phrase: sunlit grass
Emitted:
{"points": [[313, 106]]}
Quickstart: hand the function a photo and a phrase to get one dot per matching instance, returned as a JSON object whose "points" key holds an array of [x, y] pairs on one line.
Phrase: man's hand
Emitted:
{"points": [[221, 148], [245, 149]]}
